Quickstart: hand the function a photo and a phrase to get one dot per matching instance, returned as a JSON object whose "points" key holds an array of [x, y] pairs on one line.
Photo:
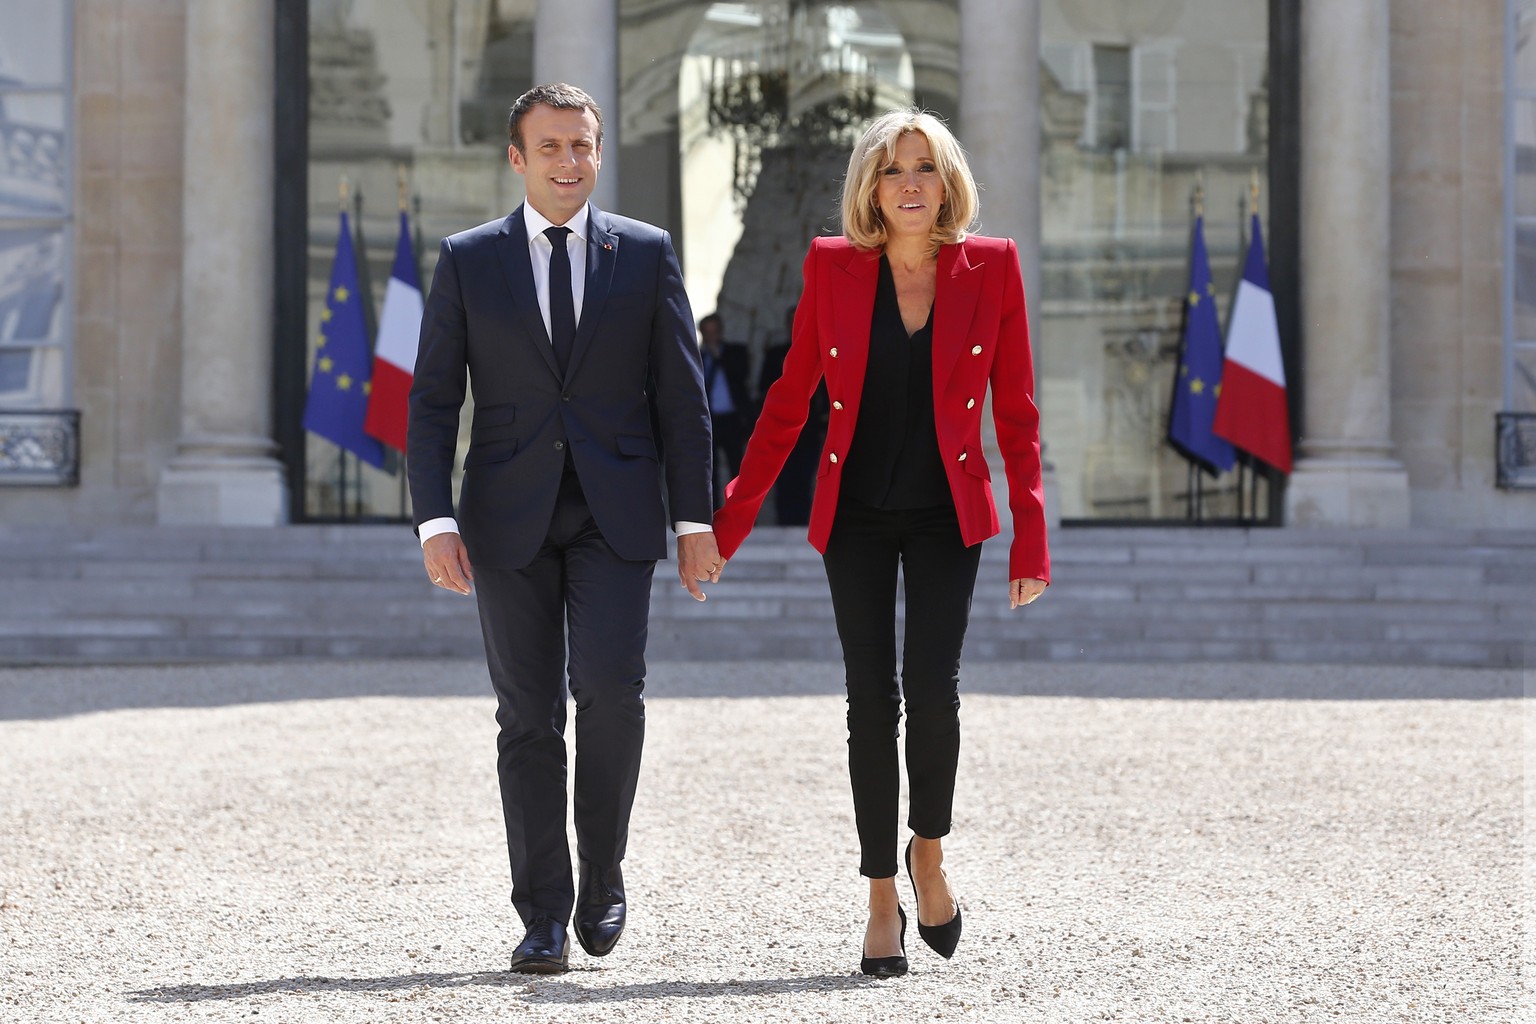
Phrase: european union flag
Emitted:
{"points": [[341, 381], [1198, 383]]}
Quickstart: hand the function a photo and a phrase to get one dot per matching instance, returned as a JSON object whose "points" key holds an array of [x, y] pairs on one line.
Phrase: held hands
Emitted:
{"points": [[1024, 592], [447, 562], [698, 561]]}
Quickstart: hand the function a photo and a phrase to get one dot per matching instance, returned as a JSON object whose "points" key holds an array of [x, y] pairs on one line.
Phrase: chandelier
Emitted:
{"points": [[796, 81]]}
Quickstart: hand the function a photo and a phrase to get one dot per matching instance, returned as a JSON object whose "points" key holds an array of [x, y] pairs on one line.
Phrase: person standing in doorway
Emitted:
{"points": [[563, 317], [726, 365]]}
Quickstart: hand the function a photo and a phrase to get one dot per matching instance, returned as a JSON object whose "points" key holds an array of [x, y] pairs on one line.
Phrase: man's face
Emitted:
{"points": [[560, 162], [710, 333]]}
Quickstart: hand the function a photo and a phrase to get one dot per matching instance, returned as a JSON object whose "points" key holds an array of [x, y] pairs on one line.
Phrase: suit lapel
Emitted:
{"points": [[517, 268], [954, 307], [855, 312], [602, 255]]}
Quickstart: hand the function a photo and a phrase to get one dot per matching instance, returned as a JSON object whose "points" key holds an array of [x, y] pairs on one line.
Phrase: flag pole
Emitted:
{"points": [[345, 190], [1253, 212], [400, 186], [1196, 479]]}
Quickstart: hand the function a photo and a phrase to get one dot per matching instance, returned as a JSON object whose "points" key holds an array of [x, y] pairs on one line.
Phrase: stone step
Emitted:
{"points": [[172, 594]]}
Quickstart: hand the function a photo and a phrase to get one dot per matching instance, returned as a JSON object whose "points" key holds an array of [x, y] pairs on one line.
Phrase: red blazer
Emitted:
{"points": [[980, 336]]}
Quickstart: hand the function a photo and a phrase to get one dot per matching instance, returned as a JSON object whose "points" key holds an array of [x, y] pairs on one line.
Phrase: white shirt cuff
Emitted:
{"points": [[447, 524], [432, 527]]}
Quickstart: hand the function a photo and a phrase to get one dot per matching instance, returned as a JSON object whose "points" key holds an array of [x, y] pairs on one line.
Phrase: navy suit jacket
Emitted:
{"points": [[482, 327]]}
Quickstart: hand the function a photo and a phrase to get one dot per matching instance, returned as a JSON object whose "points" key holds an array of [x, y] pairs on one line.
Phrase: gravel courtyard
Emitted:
{"points": [[1205, 843]]}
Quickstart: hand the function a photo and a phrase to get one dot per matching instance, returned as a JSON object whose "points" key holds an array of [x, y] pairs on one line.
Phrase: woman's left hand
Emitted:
{"points": [[1024, 591]]}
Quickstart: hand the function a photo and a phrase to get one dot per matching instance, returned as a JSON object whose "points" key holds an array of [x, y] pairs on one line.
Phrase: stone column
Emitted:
{"points": [[1000, 130], [1347, 473], [577, 41], [224, 471]]}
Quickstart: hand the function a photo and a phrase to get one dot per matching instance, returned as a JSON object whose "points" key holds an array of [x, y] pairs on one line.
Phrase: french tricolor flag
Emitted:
{"points": [[1251, 411], [394, 353]]}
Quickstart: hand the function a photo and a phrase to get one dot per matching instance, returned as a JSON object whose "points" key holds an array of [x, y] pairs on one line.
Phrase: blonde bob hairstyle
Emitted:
{"points": [[863, 224]]}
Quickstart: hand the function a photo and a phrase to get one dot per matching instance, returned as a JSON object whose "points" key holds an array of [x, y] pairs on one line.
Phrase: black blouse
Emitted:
{"points": [[893, 460]]}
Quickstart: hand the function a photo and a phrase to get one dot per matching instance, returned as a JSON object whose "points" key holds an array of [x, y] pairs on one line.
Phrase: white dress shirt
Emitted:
{"points": [[539, 251]]}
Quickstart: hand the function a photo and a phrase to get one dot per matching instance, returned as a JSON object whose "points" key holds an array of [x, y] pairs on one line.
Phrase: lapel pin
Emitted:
{"points": [[608, 246]]}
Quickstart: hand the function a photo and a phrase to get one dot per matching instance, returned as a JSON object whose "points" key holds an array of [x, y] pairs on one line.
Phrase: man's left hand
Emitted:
{"points": [[698, 561]]}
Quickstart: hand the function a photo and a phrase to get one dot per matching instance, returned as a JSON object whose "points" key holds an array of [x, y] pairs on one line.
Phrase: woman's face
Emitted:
{"points": [[908, 190]]}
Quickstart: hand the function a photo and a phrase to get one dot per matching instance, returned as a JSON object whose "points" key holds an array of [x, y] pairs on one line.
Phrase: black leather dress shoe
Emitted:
{"points": [[600, 909], [544, 950]]}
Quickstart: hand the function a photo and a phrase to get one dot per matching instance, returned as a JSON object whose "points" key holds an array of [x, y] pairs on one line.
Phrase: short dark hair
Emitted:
{"points": [[713, 318], [557, 95]]}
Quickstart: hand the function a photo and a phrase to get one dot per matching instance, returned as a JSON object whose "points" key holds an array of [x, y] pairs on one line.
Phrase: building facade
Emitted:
{"points": [[171, 176]]}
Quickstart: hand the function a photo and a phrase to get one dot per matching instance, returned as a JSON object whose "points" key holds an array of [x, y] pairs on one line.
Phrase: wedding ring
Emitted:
{"points": [[437, 579]]}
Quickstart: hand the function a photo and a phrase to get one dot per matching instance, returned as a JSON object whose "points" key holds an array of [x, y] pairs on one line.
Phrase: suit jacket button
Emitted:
{"points": [[560, 447], [837, 405], [962, 457], [833, 353], [971, 404], [834, 456], [565, 396], [976, 351]]}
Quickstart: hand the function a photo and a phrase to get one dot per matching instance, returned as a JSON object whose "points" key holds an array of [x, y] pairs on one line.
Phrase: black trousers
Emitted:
{"points": [[580, 610], [938, 573], [730, 433]]}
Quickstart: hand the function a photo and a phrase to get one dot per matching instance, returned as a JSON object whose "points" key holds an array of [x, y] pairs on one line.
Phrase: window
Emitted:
{"points": [[407, 104], [1111, 97], [38, 435], [1140, 103]]}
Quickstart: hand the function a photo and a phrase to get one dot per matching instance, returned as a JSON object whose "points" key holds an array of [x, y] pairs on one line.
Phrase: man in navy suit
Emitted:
{"points": [[569, 323]]}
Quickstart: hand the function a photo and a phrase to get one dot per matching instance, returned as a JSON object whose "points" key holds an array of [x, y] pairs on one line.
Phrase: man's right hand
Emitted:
{"points": [[447, 562]]}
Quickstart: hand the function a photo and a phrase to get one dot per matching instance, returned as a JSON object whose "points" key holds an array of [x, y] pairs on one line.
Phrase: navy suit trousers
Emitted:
{"points": [[578, 610]]}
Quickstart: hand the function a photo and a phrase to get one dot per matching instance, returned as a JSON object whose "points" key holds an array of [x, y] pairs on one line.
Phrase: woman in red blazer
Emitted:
{"points": [[909, 320]]}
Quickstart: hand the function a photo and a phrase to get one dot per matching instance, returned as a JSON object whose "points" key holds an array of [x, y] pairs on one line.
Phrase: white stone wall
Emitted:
{"points": [[1447, 260], [129, 73]]}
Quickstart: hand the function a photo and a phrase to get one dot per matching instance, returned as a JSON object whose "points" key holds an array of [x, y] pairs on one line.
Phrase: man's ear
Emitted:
{"points": [[515, 158]]}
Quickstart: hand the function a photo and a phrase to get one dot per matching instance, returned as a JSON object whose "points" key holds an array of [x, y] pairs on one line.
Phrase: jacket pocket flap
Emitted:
{"points": [[495, 416], [633, 444], [498, 451], [976, 464]]}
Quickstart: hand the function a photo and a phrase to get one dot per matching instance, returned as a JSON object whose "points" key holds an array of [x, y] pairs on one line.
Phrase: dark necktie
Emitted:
{"points": [[562, 307]]}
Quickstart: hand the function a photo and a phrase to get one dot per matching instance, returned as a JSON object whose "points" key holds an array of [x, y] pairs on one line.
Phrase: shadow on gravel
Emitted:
{"points": [[56, 692], [538, 990]]}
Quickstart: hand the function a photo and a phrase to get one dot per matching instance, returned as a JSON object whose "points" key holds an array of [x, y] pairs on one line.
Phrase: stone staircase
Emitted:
{"points": [[167, 594]]}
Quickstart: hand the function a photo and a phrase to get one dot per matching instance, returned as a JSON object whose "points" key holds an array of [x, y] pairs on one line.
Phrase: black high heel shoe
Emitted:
{"points": [[941, 938], [888, 966]]}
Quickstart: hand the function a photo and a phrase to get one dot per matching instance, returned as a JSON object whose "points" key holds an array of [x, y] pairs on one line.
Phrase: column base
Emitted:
{"points": [[212, 492], [1348, 492]]}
